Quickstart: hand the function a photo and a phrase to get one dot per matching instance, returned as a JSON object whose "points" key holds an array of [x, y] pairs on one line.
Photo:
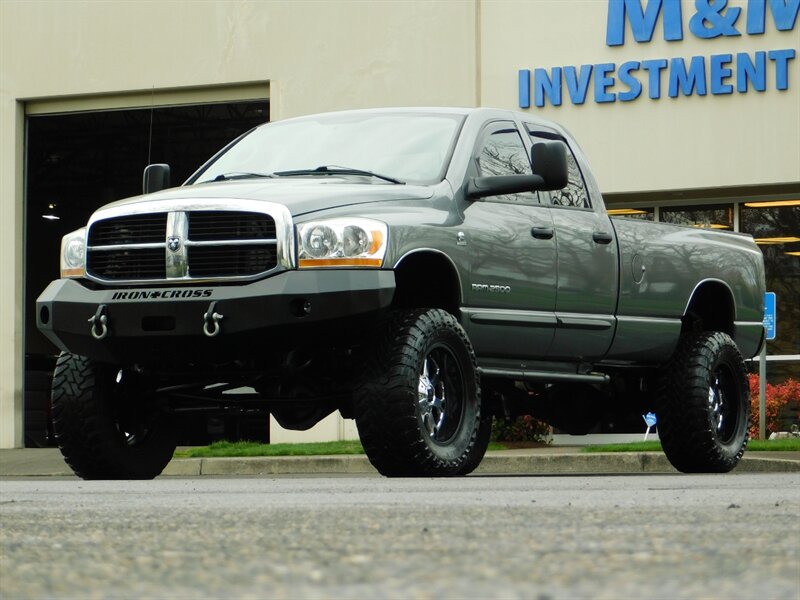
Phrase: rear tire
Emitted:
{"points": [[101, 429], [418, 411], [704, 404]]}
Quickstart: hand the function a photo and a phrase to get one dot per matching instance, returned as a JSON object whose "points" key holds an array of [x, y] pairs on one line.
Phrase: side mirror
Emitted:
{"points": [[481, 187], [549, 160], [156, 178], [550, 172]]}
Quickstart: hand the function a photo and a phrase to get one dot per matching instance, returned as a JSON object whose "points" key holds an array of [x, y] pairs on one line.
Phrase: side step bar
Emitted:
{"points": [[522, 375]]}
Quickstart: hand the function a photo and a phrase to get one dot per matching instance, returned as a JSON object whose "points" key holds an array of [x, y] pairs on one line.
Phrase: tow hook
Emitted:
{"points": [[99, 322], [211, 320]]}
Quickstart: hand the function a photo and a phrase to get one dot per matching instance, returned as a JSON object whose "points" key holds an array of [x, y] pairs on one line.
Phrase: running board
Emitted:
{"points": [[523, 375]]}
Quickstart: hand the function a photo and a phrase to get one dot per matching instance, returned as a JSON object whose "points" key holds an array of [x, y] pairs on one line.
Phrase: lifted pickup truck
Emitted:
{"points": [[419, 270]]}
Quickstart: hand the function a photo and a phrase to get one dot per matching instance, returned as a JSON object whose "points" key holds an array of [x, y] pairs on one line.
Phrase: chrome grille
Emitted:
{"points": [[133, 229], [143, 263], [226, 261], [230, 225], [184, 245]]}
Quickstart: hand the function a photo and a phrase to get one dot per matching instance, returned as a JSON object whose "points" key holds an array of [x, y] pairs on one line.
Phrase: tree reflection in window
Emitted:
{"points": [[575, 193], [504, 154], [643, 214], [708, 217]]}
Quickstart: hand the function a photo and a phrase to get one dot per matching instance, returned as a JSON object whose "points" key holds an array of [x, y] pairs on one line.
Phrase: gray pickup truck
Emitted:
{"points": [[419, 270]]}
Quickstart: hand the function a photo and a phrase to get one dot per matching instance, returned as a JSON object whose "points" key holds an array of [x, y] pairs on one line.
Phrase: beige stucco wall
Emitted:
{"points": [[328, 55], [11, 333], [331, 428]]}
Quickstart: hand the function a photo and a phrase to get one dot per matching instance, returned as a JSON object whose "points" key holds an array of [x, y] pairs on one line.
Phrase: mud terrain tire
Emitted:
{"points": [[418, 411], [704, 404], [102, 433]]}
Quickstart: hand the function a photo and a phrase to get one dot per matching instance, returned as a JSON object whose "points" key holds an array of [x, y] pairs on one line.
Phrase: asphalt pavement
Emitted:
{"points": [[599, 537], [547, 460]]}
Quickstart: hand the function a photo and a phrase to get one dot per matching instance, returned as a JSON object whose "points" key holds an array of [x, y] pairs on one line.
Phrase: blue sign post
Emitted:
{"points": [[770, 315], [770, 329]]}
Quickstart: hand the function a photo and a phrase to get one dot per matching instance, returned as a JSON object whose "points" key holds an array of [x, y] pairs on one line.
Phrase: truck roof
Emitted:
{"points": [[486, 112]]}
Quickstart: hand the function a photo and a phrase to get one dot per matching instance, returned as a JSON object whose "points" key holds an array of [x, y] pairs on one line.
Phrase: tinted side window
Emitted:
{"points": [[575, 193], [503, 154]]}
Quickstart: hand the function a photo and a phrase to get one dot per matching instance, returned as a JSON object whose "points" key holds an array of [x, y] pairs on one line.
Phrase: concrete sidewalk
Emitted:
{"points": [[550, 460]]}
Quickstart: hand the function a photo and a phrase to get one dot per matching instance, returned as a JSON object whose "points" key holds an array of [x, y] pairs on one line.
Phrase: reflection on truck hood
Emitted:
{"points": [[300, 195]]}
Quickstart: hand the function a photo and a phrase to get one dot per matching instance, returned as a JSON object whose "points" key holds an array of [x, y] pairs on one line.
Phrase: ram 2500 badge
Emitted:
{"points": [[419, 270]]}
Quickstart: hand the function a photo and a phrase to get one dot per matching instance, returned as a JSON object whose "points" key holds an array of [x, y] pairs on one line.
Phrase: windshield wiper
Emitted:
{"points": [[334, 170], [238, 175]]}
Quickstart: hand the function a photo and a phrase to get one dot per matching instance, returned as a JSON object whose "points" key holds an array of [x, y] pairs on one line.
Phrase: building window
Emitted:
{"points": [[776, 228], [643, 214], [716, 216]]}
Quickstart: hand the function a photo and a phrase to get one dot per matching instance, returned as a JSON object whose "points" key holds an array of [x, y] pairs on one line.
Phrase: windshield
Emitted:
{"points": [[410, 147]]}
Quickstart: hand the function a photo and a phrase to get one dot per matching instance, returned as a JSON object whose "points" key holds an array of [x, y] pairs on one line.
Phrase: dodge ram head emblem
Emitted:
{"points": [[173, 243]]}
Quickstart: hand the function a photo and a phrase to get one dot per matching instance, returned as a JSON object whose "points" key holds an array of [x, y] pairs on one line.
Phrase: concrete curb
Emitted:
{"points": [[755, 464], [49, 463], [496, 463], [270, 465]]}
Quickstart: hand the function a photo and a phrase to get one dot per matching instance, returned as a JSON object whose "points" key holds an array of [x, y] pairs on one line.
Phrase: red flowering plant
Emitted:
{"points": [[521, 429], [778, 398]]}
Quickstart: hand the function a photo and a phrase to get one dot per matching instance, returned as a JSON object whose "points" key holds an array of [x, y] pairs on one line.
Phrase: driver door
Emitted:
{"points": [[511, 294]]}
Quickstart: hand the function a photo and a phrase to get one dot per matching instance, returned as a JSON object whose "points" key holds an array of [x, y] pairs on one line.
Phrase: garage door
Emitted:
{"points": [[83, 153]]}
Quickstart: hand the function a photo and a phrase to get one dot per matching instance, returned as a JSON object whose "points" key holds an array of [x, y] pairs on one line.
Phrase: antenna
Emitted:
{"points": [[150, 140]]}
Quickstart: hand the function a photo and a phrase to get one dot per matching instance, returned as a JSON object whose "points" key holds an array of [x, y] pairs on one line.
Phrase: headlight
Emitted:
{"points": [[341, 243], [73, 254]]}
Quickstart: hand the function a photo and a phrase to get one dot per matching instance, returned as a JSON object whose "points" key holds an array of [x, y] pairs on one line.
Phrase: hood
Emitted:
{"points": [[300, 195]]}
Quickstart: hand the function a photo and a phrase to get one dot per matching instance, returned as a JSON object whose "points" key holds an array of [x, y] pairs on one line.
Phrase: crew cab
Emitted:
{"points": [[422, 271]]}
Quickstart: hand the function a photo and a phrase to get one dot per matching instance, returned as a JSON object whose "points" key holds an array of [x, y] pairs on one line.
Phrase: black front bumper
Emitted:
{"points": [[153, 325]]}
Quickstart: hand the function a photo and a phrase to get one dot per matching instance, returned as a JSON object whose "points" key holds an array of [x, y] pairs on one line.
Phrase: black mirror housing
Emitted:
{"points": [[549, 160], [481, 187], [155, 178]]}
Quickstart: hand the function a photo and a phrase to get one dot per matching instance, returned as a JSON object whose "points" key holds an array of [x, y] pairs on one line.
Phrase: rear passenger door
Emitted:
{"points": [[587, 268], [511, 295]]}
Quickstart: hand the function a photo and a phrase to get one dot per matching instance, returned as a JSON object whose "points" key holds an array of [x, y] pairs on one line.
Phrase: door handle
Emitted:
{"points": [[542, 233], [602, 237]]}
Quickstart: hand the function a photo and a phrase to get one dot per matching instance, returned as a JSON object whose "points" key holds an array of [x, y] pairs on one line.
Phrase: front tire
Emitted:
{"points": [[418, 411], [103, 428], [704, 404]]}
